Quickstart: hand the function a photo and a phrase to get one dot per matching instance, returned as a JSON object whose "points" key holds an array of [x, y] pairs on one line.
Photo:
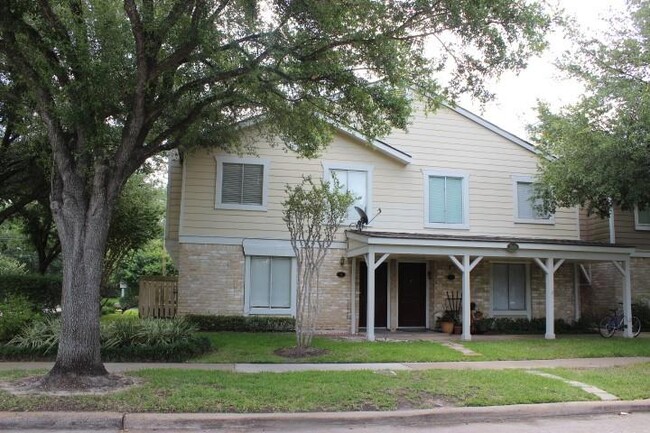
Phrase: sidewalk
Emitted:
{"points": [[114, 367]]}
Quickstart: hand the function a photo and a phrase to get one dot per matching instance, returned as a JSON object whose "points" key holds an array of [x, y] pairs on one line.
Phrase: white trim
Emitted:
{"points": [[267, 247], [226, 240], [221, 159], [328, 166], [516, 179], [291, 311], [382, 147], [492, 127], [528, 289], [638, 225], [181, 213], [612, 225], [641, 254], [464, 175]]}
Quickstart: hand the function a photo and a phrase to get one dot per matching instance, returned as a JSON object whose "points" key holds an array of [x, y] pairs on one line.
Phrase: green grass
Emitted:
{"points": [[213, 391], [583, 346], [236, 347], [628, 383]]}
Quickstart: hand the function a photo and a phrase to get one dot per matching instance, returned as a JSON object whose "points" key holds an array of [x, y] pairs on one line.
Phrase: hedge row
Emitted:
{"points": [[505, 325], [44, 291], [242, 323]]}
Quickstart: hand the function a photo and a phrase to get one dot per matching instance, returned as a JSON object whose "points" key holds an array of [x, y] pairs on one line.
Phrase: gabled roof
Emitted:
{"points": [[492, 127]]}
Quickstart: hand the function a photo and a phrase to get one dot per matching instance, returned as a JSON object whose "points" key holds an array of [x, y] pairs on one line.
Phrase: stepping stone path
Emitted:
{"points": [[603, 395], [460, 348]]}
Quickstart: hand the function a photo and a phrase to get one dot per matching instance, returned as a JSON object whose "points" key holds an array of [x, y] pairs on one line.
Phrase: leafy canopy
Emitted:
{"points": [[597, 151]]}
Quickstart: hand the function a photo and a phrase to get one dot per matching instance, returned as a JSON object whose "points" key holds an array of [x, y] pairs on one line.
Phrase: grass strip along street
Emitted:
{"points": [[233, 347]]}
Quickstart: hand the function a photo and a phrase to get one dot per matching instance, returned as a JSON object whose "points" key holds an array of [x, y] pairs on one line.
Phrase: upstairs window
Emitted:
{"points": [[527, 205], [446, 200], [642, 218], [355, 179], [241, 183]]}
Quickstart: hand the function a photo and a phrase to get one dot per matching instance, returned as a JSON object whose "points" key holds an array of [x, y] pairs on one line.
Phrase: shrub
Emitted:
{"points": [[242, 323], [507, 325], [15, 312], [641, 309], [44, 291], [122, 340]]}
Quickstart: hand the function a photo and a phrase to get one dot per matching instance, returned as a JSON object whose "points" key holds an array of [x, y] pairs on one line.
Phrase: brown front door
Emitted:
{"points": [[412, 295], [381, 295]]}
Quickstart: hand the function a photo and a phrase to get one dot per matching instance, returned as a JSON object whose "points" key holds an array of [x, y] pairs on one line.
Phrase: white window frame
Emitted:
{"points": [[465, 185], [269, 248], [638, 225], [529, 292], [515, 200], [221, 159], [328, 166]]}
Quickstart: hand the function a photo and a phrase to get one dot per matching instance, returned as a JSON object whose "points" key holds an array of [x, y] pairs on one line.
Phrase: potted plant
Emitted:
{"points": [[447, 322]]}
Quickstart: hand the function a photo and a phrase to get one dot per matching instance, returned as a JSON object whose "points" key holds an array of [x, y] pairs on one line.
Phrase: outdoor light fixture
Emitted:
{"points": [[342, 261], [512, 247]]}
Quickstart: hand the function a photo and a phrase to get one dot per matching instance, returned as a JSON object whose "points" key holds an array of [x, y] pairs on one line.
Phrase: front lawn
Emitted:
{"points": [[241, 347], [214, 391]]}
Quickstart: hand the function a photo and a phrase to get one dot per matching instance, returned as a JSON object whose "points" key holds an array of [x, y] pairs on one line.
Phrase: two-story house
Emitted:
{"points": [[456, 218]]}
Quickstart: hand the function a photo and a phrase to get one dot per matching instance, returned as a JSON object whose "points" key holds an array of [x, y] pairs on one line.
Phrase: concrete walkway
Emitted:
{"points": [[116, 367]]}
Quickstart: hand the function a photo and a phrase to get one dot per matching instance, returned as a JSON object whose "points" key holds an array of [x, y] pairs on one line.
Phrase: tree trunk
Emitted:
{"points": [[82, 223]]}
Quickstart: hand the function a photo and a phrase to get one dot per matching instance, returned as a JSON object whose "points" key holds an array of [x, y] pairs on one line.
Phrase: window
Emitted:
{"points": [[642, 218], [355, 179], [526, 205], [509, 288], [270, 279], [446, 200], [241, 183]]}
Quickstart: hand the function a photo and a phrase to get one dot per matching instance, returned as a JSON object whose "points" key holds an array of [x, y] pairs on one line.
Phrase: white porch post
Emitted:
{"points": [[624, 269], [549, 268], [466, 268], [370, 296]]}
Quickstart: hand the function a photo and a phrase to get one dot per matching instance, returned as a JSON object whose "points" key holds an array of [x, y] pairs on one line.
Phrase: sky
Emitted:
{"points": [[517, 95]]}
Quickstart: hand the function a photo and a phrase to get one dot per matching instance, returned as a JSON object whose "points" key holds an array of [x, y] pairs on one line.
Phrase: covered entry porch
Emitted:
{"points": [[507, 277]]}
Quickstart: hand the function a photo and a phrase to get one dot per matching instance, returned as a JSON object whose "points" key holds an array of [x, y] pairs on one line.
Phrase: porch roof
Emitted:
{"points": [[429, 244]]}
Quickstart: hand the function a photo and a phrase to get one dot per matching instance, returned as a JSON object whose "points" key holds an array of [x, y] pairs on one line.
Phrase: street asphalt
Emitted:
{"points": [[96, 421]]}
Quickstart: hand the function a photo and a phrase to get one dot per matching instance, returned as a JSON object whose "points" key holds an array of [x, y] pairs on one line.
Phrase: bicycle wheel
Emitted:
{"points": [[607, 326], [636, 326]]}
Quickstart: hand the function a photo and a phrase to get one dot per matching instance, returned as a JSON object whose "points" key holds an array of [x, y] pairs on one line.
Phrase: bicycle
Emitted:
{"points": [[615, 321]]}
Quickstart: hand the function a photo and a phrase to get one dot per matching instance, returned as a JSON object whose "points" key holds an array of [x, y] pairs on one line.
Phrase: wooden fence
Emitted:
{"points": [[158, 297]]}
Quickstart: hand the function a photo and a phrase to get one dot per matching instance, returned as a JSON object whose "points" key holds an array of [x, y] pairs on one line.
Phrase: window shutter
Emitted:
{"points": [[500, 286], [231, 183], [524, 205], [644, 216], [260, 282], [280, 283], [454, 202], [436, 199], [517, 287], [253, 184]]}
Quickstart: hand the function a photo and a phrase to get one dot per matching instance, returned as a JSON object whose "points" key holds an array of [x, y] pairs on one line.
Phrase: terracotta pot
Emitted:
{"points": [[447, 327]]}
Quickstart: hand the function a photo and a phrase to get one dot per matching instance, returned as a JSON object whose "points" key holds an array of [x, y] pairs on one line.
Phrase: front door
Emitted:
{"points": [[381, 295], [412, 295]]}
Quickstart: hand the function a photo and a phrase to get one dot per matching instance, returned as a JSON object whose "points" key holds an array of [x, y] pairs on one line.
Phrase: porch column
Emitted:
{"points": [[624, 268], [372, 265], [466, 268], [549, 269], [370, 296]]}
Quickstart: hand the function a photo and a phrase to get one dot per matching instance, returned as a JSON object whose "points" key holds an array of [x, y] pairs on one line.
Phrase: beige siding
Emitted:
{"points": [[593, 228], [174, 187], [627, 234], [445, 140]]}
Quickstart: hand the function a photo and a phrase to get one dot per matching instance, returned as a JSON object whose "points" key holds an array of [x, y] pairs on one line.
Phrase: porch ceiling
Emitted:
{"points": [[424, 244]]}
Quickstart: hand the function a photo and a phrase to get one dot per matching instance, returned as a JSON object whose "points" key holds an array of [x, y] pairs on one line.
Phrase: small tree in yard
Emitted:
{"points": [[313, 213]]}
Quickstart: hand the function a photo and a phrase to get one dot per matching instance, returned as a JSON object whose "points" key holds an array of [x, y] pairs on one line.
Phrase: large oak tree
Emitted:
{"points": [[597, 151], [115, 82]]}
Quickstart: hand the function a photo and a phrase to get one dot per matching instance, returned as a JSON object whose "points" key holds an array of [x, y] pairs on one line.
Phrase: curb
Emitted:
{"points": [[304, 421], [412, 418]]}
